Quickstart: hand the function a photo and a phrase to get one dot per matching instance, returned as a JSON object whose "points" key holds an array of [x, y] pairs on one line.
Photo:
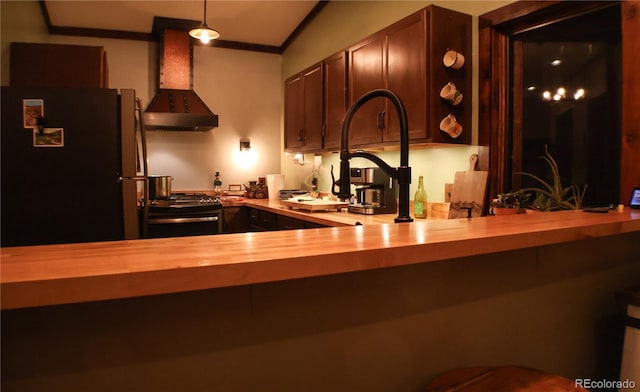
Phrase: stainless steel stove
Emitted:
{"points": [[184, 214], [186, 200]]}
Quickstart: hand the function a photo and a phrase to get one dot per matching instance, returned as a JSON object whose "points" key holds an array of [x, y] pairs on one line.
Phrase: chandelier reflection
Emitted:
{"points": [[561, 94]]}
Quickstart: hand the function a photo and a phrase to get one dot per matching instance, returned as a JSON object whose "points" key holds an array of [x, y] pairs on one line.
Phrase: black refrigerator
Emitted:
{"points": [[64, 153]]}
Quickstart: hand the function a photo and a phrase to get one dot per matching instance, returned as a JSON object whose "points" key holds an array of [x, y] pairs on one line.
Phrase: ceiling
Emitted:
{"points": [[268, 24]]}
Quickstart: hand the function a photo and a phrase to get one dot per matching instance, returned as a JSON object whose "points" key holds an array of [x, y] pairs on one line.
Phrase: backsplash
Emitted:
{"points": [[437, 164]]}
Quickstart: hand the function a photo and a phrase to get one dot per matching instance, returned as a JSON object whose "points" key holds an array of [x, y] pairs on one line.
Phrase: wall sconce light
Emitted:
{"points": [[245, 157], [245, 145]]}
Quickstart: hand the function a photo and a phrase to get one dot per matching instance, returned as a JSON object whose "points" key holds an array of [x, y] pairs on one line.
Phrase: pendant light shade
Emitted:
{"points": [[204, 33]]}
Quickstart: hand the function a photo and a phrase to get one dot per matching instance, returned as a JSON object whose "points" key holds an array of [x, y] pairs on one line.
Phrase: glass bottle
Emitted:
{"points": [[420, 201], [217, 185]]}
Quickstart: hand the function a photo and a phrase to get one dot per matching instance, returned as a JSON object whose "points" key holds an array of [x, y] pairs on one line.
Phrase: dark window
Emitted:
{"points": [[571, 88]]}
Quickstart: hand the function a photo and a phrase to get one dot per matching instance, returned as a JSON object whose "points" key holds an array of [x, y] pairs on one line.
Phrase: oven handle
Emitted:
{"points": [[183, 220]]}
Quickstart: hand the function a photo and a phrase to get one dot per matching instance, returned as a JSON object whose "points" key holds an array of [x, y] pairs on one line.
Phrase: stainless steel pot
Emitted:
{"points": [[159, 187]]}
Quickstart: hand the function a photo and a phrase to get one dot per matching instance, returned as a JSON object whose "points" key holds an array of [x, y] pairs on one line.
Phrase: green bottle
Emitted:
{"points": [[420, 201]]}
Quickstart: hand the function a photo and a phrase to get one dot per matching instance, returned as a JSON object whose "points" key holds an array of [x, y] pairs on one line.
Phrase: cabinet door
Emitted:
{"points": [[254, 219], [287, 223], [303, 110], [366, 74], [293, 113], [405, 70], [335, 99], [268, 220], [235, 220], [312, 111], [58, 65], [260, 220]]}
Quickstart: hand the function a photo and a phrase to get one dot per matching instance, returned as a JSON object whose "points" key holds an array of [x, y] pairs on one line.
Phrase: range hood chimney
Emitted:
{"points": [[176, 106]]}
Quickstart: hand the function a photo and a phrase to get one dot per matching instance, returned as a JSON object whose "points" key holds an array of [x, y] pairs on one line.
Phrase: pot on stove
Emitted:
{"points": [[159, 187]]}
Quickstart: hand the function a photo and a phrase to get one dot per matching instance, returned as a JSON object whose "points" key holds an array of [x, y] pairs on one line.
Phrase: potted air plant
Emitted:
{"points": [[552, 196]]}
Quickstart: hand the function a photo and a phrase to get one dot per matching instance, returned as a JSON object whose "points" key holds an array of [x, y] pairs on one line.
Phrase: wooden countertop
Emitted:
{"points": [[328, 218], [333, 218], [71, 273]]}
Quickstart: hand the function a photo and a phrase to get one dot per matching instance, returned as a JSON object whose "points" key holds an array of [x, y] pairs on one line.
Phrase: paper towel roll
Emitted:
{"points": [[275, 183]]}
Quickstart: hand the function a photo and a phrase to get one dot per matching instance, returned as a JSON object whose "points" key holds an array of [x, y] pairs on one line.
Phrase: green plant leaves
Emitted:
{"points": [[552, 196]]}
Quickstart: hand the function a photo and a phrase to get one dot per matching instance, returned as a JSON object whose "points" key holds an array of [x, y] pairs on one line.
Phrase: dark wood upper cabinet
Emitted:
{"points": [[406, 58], [313, 110], [366, 74], [58, 65], [405, 63], [304, 111], [335, 98], [294, 112], [415, 47]]}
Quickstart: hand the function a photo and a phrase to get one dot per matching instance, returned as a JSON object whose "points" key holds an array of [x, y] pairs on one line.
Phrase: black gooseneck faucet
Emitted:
{"points": [[402, 174]]}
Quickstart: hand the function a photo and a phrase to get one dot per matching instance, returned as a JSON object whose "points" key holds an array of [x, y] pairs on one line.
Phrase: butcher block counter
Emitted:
{"points": [[332, 217], [72, 273]]}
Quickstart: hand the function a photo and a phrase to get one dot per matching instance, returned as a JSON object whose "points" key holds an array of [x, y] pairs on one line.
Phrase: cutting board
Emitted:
{"points": [[468, 191], [314, 204]]}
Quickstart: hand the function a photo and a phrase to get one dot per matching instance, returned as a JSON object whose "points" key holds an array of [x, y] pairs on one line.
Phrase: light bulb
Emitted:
{"points": [[204, 38]]}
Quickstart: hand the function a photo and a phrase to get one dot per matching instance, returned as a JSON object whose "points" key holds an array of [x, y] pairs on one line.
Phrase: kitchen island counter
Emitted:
{"points": [[71, 273]]}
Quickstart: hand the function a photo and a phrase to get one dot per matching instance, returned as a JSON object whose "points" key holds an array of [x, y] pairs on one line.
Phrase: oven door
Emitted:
{"points": [[161, 225]]}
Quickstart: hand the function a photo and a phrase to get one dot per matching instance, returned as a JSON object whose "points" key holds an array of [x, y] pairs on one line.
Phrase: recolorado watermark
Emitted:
{"points": [[590, 384]]}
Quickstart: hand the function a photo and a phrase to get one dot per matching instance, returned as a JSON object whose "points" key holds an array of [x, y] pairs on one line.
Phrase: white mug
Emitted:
{"points": [[451, 126], [451, 94], [453, 59]]}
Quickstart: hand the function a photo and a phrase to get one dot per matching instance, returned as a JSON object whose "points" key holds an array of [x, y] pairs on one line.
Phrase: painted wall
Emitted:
{"points": [[243, 88], [343, 23]]}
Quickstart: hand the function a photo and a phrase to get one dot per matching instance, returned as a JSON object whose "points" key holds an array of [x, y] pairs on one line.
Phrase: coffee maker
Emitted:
{"points": [[376, 191]]}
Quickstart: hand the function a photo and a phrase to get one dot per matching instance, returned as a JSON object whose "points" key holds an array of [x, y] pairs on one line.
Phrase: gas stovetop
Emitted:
{"points": [[182, 214], [186, 200]]}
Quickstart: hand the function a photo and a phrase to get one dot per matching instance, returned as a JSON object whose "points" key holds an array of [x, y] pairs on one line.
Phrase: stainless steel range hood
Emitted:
{"points": [[176, 106]]}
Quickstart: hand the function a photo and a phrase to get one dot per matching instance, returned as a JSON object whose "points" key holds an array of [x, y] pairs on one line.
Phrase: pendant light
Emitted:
{"points": [[204, 33]]}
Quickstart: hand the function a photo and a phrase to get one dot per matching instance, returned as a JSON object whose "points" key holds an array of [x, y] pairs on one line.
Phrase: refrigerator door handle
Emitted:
{"points": [[145, 171]]}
